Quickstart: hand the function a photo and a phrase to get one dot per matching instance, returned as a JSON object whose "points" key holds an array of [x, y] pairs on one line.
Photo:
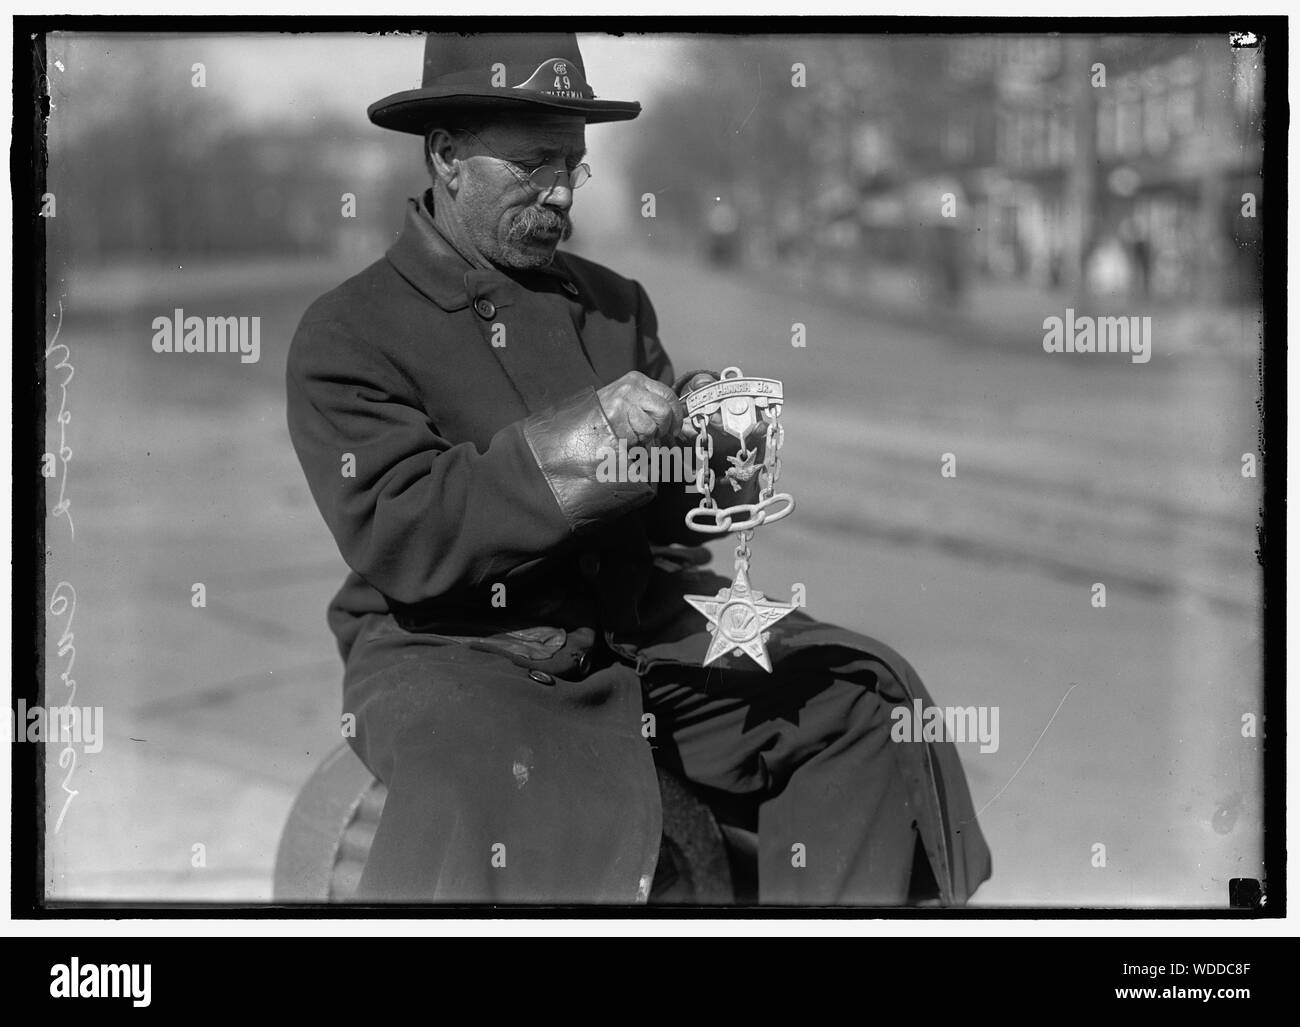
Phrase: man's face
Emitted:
{"points": [[511, 223]]}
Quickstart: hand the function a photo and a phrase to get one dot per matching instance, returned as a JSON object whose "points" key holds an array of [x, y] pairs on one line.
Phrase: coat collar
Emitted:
{"points": [[423, 256]]}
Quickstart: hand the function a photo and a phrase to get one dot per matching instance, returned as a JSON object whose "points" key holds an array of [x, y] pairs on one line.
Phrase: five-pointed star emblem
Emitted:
{"points": [[738, 620]]}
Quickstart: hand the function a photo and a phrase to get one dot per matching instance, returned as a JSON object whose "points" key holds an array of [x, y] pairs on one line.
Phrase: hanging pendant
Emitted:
{"points": [[739, 619]]}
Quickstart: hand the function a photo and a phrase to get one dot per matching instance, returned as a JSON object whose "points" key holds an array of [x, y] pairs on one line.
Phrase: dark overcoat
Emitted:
{"points": [[447, 421]]}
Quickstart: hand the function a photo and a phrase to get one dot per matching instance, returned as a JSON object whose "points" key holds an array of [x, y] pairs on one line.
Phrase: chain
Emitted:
{"points": [[770, 472], [742, 550], [704, 476], [711, 519], [771, 506], [716, 520]]}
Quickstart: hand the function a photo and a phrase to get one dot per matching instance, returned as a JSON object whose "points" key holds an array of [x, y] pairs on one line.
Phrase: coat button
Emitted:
{"points": [[584, 661], [541, 677], [589, 564], [486, 308]]}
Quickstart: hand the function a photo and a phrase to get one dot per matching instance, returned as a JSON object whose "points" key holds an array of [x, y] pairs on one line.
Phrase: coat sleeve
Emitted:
{"points": [[417, 516]]}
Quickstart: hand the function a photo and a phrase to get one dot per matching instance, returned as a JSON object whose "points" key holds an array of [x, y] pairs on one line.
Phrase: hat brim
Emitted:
{"points": [[414, 110]]}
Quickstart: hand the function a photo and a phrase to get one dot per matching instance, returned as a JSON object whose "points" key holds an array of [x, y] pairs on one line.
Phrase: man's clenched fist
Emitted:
{"points": [[642, 410]]}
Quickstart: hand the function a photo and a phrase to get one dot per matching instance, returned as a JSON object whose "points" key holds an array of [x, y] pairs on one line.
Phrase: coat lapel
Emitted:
{"points": [[540, 350], [425, 259]]}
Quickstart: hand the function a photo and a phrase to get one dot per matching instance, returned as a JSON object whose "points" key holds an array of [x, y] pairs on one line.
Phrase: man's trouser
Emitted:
{"points": [[502, 788], [810, 746]]}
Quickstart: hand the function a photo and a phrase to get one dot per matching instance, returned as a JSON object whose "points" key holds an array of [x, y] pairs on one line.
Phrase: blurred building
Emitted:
{"points": [[1136, 183], [1112, 164], [1093, 163]]}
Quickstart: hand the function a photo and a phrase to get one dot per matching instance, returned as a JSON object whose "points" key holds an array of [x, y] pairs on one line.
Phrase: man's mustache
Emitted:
{"points": [[536, 222]]}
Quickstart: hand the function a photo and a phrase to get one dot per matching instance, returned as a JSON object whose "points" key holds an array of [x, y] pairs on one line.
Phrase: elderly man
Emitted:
{"points": [[517, 648]]}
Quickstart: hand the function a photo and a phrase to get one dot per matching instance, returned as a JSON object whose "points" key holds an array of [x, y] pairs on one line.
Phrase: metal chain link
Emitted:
{"points": [[742, 550], [716, 520], [704, 476], [771, 469]]}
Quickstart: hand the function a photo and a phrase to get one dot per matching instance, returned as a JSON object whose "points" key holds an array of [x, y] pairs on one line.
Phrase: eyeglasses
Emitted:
{"points": [[540, 177]]}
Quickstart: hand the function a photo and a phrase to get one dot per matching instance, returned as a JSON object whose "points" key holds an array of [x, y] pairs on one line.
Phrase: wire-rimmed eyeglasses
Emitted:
{"points": [[541, 177]]}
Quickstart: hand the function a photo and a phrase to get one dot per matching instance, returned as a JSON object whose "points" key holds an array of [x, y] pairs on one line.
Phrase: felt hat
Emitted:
{"points": [[524, 72]]}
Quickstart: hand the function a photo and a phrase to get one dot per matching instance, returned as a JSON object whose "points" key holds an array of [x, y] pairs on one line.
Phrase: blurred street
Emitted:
{"points": [[1120, 726]]}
